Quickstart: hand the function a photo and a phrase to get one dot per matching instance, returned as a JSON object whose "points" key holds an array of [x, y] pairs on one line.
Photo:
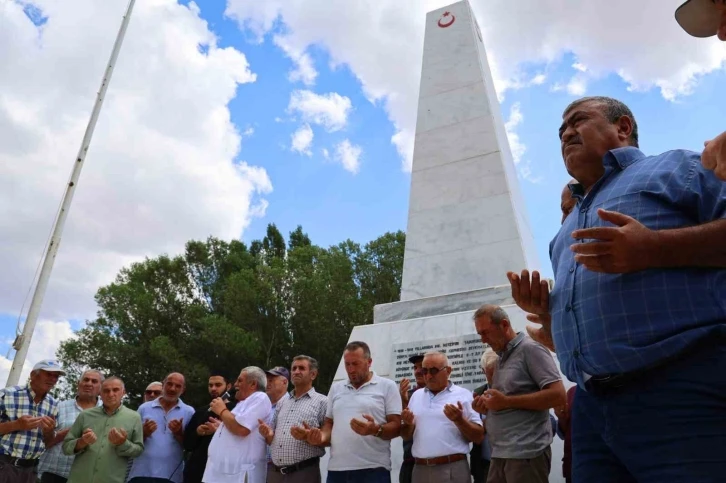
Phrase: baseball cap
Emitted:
{"points": [[415, 358], [279, 371], [49, 365], [699, 18]]}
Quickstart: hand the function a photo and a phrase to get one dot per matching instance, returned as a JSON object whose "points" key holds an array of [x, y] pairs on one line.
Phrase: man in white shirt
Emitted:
{"points": [[238, 452], [363, 416], [442, 424]]}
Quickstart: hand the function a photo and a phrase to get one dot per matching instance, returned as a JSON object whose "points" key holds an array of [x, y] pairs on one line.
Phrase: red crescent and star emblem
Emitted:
{"points": [[446, 20]]}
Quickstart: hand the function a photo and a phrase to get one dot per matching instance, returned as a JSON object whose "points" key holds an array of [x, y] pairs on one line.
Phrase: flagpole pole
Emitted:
{"points": [[22, 342]]}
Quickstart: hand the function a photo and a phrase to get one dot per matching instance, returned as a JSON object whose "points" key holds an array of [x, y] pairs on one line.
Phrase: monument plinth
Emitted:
{"points": [[467, 223]]}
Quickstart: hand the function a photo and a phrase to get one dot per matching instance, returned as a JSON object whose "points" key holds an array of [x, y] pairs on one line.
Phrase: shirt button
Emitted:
{"points": [[572, 270], [583, 210], [576, 353], [567, 308]]}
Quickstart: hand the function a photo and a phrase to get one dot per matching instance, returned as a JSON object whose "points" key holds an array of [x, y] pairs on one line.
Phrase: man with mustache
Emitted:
{"points": [[104, 438], [164, 420], [706, 18], [28, 417], [638, 318], [55, 466], [198, 433]]}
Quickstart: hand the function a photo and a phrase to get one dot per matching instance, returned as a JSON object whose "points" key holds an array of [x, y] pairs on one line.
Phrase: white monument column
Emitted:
{"points": [[467, 223]]}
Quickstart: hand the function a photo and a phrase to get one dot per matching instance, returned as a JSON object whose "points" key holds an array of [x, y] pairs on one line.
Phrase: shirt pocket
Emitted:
{"points": [[655, 210]]}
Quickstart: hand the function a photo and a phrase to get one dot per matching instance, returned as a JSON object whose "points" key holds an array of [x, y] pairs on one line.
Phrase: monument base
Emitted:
{"points": [[443, 323]]}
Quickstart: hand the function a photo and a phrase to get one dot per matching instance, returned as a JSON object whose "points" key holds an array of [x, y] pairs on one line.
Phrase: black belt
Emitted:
{"points": [[286, 470], [612, 383], [20, 462]]}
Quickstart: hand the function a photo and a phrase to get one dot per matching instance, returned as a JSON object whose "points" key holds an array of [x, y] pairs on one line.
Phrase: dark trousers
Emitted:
{"points": [[667, 427], [370, 475], [52, 478], [146, 479], [405, 474], [15, 474]]}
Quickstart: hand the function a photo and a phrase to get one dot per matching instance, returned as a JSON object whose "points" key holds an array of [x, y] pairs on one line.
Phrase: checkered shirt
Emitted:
{"points": [[310, 408], [18, 401], [53, 460], [604, 323]]}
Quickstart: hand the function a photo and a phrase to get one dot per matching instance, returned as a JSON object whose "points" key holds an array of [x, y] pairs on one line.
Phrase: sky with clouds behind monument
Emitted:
{"points": [[223, 117]]}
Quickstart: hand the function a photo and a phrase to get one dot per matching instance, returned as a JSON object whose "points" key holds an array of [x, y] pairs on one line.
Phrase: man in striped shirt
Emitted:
{"points": [[54, 466], [27, 422]]}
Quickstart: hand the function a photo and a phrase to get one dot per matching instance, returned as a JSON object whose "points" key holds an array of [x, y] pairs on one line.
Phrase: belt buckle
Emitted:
{"points": [[428, 462], [283, 470], [15, 462]]}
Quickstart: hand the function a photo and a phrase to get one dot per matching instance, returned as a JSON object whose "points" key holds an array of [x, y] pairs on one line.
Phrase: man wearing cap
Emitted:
{"points": [[164, 420], [153, 391], [406, 472], [55, 466], [28, 417], [278, 380], [294, 460], [706, 18]]}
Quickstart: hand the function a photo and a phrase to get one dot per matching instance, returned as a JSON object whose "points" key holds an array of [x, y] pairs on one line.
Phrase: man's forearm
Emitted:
{"points": [[391, 429], [9, 427], [472, 432], [550, 397], [694, 246], [407, 431]]}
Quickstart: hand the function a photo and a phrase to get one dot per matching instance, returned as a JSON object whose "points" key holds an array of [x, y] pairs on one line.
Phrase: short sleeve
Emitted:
{"points": [[541, 365], [331, 401], [322, 410], [469, 413], [258, 408], [393, 402], [702, 194], [188, 415]]}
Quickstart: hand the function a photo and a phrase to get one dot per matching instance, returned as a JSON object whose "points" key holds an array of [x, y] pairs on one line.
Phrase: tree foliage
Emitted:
{"points": [[224, 306]]}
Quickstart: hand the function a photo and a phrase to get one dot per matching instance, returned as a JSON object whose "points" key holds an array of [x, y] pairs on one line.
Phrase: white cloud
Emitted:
{"points": [[304, 70], [579, 66], [325, 153], [577, 86], [248, 132], [381, 42], [348, 155], [328, 110], [46, 340], [524, 169], [162, 167], [302, 140]]}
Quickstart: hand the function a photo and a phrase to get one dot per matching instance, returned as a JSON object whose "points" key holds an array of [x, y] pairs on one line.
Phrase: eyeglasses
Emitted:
{"points": [[152, 393], [431, 370]]}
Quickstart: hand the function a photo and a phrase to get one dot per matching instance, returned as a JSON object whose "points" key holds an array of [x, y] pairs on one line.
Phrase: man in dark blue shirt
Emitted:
{"points": [[638, 308]]}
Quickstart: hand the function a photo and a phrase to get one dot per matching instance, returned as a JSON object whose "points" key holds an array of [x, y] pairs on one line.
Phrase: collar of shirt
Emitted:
{"points": [[373, 380], [308, 394], [114, 412], [432, 395], [156, 403], [78, 406], [282, 399], [511, 345], [619, 158]]}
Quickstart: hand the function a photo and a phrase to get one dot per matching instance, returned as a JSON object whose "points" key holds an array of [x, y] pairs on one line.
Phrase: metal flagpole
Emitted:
{"points": [[22, 342]]}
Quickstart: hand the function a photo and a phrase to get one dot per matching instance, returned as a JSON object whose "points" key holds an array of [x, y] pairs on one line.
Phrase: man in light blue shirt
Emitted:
{"points": [[164, 420]]}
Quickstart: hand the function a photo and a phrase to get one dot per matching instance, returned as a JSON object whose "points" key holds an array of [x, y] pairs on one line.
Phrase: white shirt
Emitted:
{"points": [[378, 398], [233, 458], [435, 434]]}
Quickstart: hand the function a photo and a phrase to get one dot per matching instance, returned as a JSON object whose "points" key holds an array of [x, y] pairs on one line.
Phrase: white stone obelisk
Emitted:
{"points": [[467, 223], [466, 218]]}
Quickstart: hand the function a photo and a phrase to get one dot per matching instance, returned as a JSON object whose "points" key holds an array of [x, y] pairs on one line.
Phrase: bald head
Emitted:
{"points": [[173, 388]]}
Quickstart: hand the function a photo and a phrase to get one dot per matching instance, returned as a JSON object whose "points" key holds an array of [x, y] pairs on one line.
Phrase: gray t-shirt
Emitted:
{"points": [[524, 367], [378, 398]]}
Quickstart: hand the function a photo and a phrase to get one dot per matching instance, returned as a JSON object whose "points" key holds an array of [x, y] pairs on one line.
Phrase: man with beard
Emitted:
{"points": [[104, 438], [198, 433], [164, 420], [55, 466], [27, 423]]}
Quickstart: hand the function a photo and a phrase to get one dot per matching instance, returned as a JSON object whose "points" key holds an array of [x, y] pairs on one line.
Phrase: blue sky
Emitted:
{"points": [[331, 203]]}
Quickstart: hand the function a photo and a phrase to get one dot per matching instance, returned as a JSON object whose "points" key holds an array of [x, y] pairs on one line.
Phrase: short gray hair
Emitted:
{"points": [[494, 312], [440, 354], [489, 359], [312, 363], [114, 378], [100, 375], [357, 344], [254, 373], [613, 110]]}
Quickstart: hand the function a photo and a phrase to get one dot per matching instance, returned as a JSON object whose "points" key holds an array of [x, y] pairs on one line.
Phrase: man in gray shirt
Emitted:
{"points": [[526, 384]]}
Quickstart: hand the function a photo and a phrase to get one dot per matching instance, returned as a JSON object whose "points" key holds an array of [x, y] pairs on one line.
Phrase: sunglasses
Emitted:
{"points": [[152, 393], [431, 370]]}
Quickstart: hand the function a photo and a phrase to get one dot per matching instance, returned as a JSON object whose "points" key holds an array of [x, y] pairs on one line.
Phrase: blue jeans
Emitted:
{"points": [[667, 427], [370, 475]]}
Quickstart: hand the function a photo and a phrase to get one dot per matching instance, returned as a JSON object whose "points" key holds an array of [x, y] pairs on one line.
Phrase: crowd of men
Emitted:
{"points": [[636, 319]]}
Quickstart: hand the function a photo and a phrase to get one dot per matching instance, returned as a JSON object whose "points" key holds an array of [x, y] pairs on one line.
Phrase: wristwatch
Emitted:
{"points": [[379, 433]]}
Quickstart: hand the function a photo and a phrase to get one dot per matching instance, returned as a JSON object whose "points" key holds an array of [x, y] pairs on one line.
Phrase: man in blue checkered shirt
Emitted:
{"points": [[638, 310], [55, 466], [28, 417]]}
